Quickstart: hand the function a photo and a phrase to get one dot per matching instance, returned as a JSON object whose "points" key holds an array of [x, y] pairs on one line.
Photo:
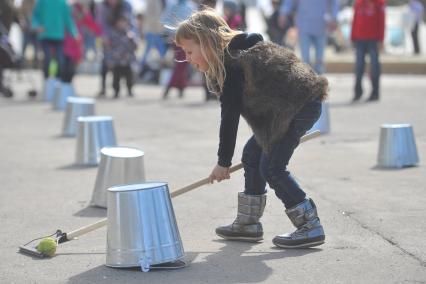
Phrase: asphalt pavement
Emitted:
{"points": [[373, 217]]}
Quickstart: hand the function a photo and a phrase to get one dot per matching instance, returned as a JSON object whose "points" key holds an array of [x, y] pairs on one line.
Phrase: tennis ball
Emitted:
{"points": [[47, 246]]}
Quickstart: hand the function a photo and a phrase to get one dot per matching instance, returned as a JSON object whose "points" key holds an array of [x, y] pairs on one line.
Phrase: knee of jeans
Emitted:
{"points": [[272, 176]]}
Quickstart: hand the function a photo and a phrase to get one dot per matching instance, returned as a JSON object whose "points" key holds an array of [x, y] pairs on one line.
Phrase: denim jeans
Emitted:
{"points": [[52, 49], [305, 41], [153, 40], [261, 168], [362, 48]]}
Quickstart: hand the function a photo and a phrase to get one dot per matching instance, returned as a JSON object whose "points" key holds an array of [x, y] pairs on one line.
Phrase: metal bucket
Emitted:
{"points": [[76, 107], [59, 102], [51, 87], [397, 146], [119, 165], [93, 133], [142, 229]]}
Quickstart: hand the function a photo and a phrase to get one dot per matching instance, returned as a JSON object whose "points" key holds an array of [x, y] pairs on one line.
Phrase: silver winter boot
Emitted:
{"points": [[309, 231], [246, 226]]}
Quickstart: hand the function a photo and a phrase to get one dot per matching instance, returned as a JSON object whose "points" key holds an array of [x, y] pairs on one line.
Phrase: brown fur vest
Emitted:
{"points": [[276, 86]]}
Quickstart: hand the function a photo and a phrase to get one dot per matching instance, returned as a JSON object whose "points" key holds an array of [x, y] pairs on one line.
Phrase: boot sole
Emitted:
{"points": [[243, 239], [308, 245]]}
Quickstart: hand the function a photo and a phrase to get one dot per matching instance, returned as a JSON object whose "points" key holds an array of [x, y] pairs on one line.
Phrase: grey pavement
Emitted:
{"points": [[374, 219]]}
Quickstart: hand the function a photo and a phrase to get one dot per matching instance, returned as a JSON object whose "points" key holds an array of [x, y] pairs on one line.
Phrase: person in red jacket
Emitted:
{"points": [[368, 28]]}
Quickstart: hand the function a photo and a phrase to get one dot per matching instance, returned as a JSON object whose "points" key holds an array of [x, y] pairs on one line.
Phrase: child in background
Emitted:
{"points": [[231, 15], [275, 32], [74, 47], [280, 98], [120, 55]]}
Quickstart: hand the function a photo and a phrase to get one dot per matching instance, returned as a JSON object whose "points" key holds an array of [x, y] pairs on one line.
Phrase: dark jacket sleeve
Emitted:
{"points": [[231, 100], [230, 115]]}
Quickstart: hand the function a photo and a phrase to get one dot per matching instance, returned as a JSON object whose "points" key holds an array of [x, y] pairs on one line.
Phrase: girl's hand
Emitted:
{"points": [[219, 173]]}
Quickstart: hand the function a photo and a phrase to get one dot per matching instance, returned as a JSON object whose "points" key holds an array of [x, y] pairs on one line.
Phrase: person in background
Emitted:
{"points": [[74, 47], [416, 7], [154, 38], [87, 32], [232, 15], [7, 16], [121, 53], [29, 35], [275, 32], [173, 15], [314, 22], [368, 29], [107, 14], [51, 19], [206, 4]]}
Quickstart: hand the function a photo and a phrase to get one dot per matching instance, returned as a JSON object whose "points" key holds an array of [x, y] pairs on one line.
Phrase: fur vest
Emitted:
{"points": [[276, 86]]}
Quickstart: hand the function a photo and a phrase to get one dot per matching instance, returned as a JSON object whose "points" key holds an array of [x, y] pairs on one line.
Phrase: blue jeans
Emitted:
{"points": [[362, 48], [305, 41], [153, 41], [52, 49], [261, 168]]}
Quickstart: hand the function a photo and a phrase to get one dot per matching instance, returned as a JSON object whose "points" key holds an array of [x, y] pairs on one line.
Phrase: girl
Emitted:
{"points": [[280, 97]]}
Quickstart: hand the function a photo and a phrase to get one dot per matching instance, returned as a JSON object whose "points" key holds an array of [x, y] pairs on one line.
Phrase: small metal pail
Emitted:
{"points": [[142, 229], [76, 107], [119, 165], [397, 146], [59, 102]]}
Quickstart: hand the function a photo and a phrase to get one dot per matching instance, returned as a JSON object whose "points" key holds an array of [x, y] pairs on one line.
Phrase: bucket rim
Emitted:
{"points": [[138, 186]]}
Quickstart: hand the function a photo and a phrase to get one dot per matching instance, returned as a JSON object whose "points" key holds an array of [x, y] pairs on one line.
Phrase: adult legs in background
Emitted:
{"points": [[360, 49], [305, 47], [52, 49], [152, 41], [415, 37], [68, 70], [373, 51], [319, 44]]}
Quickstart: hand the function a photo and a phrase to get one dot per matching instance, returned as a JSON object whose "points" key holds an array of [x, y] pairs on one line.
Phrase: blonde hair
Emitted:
{"points": [[213, 34]]}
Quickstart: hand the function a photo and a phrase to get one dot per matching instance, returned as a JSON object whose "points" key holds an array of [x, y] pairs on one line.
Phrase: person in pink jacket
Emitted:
{"points": [[73, 47]]}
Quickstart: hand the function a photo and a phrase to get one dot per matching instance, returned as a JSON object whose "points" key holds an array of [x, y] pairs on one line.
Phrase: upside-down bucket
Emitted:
{"points": [[142, 229]]}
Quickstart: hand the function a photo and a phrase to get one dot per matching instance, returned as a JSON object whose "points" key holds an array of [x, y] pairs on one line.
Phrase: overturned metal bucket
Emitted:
{"points": [[119, 165], [51, 88], [142, 229], [59, 102], [93, 133], [397, 146], [76, 107]]}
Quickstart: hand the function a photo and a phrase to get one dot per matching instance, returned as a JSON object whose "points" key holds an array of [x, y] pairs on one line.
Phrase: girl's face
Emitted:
{"points": [[193, 54]]}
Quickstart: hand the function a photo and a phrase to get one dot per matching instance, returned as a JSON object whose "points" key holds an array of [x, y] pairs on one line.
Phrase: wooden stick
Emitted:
{"points": [[197, 184]]}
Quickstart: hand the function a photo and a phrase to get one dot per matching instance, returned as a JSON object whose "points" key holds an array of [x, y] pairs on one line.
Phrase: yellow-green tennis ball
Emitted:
{"points": [[47, 246]]}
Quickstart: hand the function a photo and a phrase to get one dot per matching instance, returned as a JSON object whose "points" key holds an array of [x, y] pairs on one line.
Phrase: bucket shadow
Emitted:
{"points": [[223, 266], [91, 211], [76, 167], [385, 169]]}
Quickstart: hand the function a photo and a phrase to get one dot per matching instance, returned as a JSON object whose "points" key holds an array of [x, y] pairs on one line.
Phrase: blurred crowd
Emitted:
{"points": [[136, 45]]}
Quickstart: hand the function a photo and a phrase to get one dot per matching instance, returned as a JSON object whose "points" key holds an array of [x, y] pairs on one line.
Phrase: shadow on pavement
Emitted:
{"points": [[75, 167], [91, 211], [233, 263]]}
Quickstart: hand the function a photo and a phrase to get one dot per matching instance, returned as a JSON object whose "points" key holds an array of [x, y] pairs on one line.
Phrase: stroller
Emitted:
{"points": [[9, 60]]}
